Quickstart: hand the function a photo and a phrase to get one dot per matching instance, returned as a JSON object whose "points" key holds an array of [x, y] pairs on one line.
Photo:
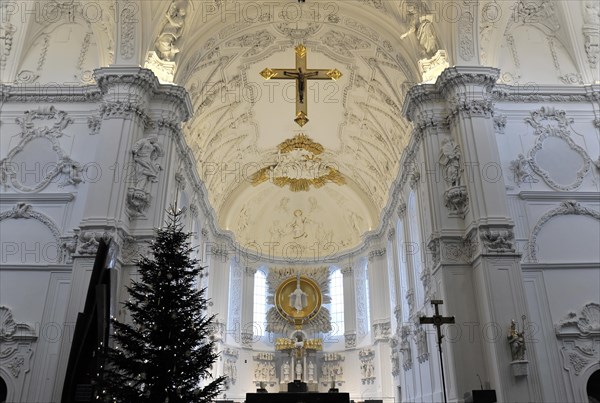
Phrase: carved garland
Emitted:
{"points": [[51, 131], [23, 210], [15, 344], [560, 129], [585, 323], [567, 207], [579, 334]]}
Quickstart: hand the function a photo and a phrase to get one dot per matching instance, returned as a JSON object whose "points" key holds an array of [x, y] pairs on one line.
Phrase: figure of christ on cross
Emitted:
{"points": [[301, 78], [301, 74], [438, 320]]}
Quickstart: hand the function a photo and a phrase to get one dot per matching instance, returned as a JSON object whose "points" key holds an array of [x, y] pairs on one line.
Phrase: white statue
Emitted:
{"points": [[175, 16], [298, 298], [298, 370], [145, 153], [311, 372], [450, 162], [257, 372], [286, 371], [271, 371], [422, 27]]}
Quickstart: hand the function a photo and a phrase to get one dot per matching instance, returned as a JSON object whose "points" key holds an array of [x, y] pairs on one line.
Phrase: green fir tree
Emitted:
{"points": [[166, 353]]}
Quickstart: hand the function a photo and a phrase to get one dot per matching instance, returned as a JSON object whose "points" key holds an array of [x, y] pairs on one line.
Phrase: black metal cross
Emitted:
{"points": [[438, 320]]}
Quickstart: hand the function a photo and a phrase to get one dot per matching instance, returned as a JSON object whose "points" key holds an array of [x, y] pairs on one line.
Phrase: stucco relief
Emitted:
{"points": [[591, 31], [7, 31], [586, 322], [25, 211], [579, 334], [521, 169], [367, 365], [551, 124], [41, 131], [567, 207], [405, 348], [16, 341]]}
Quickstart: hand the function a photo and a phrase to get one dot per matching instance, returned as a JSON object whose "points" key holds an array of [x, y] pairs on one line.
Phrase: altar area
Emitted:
{"points": [[298, 369], [292, 397]]}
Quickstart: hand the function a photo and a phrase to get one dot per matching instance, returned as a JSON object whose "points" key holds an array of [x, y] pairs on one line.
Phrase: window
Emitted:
{"points": [[368, 296], [259, 314], [402, 270], [414, 247], [336, 288]]}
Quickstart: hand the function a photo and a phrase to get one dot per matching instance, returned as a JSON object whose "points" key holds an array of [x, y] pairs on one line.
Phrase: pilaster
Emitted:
{"points": [[379, 292], [471, 244], [349, 306], [247, 306], [126, 97], [496, 271], [218, 281], [395, 277]]}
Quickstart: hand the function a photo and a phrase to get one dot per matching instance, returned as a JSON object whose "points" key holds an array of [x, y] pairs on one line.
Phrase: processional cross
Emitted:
{"points": [[301, 74], [438, 320]]}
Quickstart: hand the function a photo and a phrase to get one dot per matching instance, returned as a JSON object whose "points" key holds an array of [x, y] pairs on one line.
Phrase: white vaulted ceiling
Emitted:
{"points": [[240, 119], [382, 48]]}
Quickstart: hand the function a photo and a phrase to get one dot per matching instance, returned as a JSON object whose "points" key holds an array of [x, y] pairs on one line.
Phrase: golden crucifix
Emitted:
{"points": [[301, 74]]}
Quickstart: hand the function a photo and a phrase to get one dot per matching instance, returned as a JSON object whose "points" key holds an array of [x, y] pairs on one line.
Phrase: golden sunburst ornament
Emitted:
{"points": [[299, 166]]}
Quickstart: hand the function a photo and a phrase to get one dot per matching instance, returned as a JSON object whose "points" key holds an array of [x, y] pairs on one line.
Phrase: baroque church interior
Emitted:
{"points": [[341, 165]]}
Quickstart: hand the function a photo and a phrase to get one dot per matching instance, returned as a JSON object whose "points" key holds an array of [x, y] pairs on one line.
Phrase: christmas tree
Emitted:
{"points": [[166, 352]]}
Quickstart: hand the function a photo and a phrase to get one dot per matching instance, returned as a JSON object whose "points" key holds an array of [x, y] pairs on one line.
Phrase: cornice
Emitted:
{"points": [[417, 96], [178, 96], [12, 198], [546, 93], [49, 93], [559, 196], [118, 75], [532, 266]]}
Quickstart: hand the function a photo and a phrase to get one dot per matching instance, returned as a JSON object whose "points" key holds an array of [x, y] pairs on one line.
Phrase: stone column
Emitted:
{"points": [[126, 99], [218, 286], [444, 200], [394, 269], [489, 236], [349, 307], [379, 293], [380, 318]]}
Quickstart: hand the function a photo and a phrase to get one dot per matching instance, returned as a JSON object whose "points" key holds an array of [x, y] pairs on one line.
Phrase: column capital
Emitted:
{"points": [[250, 271], [377, 253], [401, 209], [464, 78], [350, 339], [117, 80], [347, 270], [424, 106], [468, 90]]}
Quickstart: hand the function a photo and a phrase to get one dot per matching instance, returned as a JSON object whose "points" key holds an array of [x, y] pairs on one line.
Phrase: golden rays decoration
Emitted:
{"points": [[299, 166]]}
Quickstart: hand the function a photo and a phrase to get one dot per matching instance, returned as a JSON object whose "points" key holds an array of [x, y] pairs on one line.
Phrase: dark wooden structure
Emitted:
{"points": [[91, 335]]}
